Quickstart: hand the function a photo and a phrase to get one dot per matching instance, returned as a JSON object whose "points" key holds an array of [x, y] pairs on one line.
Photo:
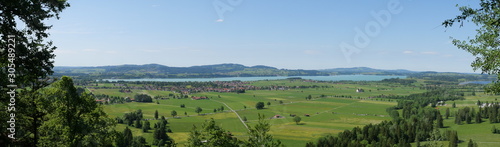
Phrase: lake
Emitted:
{"points": [[318, 78], [475, 82]]}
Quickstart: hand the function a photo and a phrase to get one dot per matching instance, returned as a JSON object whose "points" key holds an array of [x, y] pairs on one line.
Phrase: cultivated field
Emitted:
{"points": [[327, 114]]}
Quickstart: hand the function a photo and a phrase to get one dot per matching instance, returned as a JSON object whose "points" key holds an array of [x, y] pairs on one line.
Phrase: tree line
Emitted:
{"points": [[400, 81], [490, 111], [417, 123]]}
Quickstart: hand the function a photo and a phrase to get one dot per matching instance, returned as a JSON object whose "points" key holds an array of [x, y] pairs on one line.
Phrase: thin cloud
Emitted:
{"points": [[219, 20], [311, 52], [111, 52], [151, 51], [429, 53], [71, 32], [64, 51], [89, 50], [195, 50], [382, 53], [99, 51], [408, 52]]}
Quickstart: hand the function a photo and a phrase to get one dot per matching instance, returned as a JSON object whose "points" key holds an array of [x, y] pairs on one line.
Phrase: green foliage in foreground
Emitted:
{"points": [[211, 134], [73, 119], [31, 56], [485, 45], [160, 135]]}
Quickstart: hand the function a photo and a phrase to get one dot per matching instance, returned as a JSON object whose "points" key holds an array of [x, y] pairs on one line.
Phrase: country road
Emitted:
{"points": [[243, 122]]}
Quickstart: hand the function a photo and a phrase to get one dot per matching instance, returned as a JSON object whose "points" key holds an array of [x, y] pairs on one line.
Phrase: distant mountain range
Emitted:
{"points": [[218, 70]]}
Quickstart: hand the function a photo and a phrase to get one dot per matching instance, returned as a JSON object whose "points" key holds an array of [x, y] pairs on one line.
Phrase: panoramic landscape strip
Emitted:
{"points": [[262, 74]]}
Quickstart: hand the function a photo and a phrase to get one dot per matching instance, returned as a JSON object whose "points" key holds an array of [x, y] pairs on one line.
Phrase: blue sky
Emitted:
{"points": [[283, 34]]}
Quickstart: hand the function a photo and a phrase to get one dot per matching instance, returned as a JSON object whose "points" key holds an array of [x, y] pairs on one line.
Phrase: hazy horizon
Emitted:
{"points": [[477, 72]]}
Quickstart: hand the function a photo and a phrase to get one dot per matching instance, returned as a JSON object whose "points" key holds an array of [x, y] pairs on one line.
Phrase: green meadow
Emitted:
{"points": [[326, 115], [480, 133]]}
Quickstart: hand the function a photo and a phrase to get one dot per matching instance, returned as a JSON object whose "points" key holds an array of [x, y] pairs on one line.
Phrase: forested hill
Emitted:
{"points": [[161, 71]]}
